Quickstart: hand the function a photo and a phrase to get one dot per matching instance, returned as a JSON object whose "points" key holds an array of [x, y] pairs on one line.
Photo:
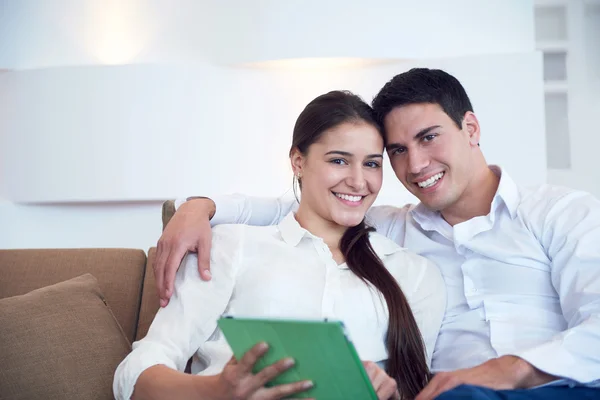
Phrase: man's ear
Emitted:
{"points": [[297, 161], [470, 125]]}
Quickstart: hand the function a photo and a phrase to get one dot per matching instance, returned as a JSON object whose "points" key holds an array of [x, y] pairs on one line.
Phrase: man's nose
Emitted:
{"points": [[417, 161]]}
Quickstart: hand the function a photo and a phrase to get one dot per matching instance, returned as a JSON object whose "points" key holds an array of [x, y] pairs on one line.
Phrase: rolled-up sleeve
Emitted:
{"points": [[250, 210], [571, 237], [181, 328]]}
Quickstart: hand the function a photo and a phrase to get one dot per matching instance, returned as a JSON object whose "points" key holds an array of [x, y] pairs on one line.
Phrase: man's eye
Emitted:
{"points": [[399, 150], [429, 138]]}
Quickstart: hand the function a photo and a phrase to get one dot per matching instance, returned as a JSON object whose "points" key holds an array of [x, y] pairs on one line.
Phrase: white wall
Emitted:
{"points": [[130, 225], [87, 154]]}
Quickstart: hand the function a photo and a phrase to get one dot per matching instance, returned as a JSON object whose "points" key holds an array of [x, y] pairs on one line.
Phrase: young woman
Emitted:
{"points": [[321, 262]]}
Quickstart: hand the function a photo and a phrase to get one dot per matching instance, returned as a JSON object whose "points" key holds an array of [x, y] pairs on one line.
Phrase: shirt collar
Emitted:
{"points": [[507, 192], [292, 233]]}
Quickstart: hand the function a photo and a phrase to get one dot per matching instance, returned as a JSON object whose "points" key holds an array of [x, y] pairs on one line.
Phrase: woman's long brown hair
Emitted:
{"points": [[406, 352]]}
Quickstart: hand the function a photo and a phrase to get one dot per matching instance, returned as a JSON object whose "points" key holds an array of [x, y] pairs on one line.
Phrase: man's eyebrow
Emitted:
{"points": [[425, 131]]}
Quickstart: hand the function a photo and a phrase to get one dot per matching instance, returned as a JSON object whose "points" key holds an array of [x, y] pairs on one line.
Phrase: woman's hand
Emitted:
{"points": [[385, 386], [237, 381]]}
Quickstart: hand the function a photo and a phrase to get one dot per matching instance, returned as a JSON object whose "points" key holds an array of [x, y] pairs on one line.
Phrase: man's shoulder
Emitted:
{"points": [[546, 196], [543, 206]]}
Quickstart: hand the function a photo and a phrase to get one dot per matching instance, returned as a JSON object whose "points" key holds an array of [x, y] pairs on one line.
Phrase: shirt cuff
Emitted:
{"points": [[128, 373], [227, 209], [552, 358]]}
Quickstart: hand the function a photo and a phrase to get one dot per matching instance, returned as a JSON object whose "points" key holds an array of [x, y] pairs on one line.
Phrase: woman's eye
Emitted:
{"points": [[372, 164], [339, 161]]}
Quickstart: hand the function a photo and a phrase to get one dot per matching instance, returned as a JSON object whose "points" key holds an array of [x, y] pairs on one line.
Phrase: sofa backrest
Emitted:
{"points": [[168, 209], [150, 302], [120, 273]]}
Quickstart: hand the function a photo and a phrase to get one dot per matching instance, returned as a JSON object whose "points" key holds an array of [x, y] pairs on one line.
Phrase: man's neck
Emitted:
{"points": [[476, 200]]}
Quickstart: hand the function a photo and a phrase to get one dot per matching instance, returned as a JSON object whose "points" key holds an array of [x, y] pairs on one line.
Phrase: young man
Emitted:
{"points": [[521, 265]]}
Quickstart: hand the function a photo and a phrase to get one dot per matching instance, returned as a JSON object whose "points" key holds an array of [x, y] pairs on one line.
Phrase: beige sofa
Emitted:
{"points": [[69, 316]]}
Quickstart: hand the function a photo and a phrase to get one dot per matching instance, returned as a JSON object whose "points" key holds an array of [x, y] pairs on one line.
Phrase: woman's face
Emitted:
{"points": [[341, 173]]}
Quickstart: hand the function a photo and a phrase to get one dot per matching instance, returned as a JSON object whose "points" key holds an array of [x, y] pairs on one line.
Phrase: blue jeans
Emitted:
{"points": [[542, 393]]}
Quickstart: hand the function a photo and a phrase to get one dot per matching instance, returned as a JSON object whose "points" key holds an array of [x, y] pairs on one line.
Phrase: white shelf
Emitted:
{"points": [[551, 3], [556, 87], [552, 46]]}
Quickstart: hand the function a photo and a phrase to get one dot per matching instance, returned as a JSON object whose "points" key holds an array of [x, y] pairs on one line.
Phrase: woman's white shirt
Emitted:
{"points": [[280, 271]]}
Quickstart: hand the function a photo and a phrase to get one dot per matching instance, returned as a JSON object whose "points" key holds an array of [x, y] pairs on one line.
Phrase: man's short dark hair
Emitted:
{"points": [[423, 85]]}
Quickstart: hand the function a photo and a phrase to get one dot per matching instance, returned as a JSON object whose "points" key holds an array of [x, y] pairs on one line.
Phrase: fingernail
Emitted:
{"points": [[307, 385], [208, 274], [263, 346], [288, 362]]}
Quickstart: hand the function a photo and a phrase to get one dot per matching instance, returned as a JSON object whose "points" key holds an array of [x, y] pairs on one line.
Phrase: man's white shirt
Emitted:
{"points": [[523, 280]]}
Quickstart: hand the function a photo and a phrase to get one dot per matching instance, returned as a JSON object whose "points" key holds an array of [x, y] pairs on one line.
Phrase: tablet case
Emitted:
{"points": [[322, 351]]}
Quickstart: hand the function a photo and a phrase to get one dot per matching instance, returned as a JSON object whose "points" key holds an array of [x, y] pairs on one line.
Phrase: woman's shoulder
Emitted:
{"points": [[240, 233], [408, 267], [384, 246]]}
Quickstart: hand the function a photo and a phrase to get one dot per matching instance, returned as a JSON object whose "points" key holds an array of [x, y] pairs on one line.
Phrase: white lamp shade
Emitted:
{"points": [[149, 132], [38, 34]]}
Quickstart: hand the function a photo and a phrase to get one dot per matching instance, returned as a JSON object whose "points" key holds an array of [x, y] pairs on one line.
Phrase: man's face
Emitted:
{"points": [[430, 155]]}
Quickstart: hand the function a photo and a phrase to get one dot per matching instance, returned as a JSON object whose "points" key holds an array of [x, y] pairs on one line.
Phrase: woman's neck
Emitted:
{"points": [[329, 231]]}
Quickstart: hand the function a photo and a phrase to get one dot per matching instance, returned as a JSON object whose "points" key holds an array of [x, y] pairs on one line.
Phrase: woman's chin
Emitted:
{"points": [[349, 219]]}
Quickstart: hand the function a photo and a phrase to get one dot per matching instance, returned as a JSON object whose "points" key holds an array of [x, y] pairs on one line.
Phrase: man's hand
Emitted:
{"points": [[385, 386], [506, 372], [188, 230]]}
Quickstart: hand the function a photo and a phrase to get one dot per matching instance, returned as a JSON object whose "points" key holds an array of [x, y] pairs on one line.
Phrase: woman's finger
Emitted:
{"points": [[247, 362]]}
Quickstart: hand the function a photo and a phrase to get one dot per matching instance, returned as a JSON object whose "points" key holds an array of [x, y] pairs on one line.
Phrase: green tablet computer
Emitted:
{"points": [[322, 352]]}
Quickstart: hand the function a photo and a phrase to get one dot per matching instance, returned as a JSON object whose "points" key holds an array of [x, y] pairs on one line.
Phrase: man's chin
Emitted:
{"points": [[431, 202], [437, 206]]}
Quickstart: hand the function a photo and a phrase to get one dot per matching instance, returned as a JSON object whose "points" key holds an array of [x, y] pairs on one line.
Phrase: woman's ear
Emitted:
{"points": [[297, 161], [471, 126]]}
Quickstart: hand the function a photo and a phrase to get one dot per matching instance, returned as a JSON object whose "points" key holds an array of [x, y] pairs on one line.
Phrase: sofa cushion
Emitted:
{"points": [[60, 342], [119, 272]]}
